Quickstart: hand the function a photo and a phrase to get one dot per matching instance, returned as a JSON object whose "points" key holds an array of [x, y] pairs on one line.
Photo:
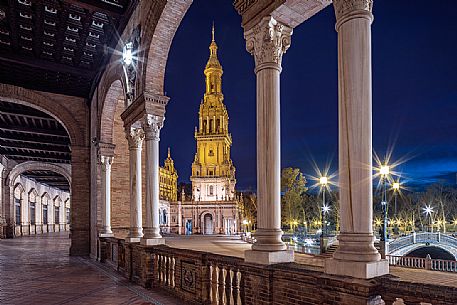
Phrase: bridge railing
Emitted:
{"points": [[423, 263], [423, 238]]}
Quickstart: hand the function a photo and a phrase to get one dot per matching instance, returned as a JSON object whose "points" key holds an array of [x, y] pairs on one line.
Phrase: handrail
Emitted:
{"points": [[423, 263]]}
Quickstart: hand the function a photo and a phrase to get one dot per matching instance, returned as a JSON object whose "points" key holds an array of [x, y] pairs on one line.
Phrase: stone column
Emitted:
{"points": [[105, 162], [268, 41], [152, 125], [135, 138], [356, 255]]}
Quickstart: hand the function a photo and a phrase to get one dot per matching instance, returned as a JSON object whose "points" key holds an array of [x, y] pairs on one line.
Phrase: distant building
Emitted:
{"points": [[213, 208]]}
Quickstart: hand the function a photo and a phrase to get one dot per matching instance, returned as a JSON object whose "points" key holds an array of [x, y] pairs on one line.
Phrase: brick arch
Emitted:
{"points": [[157, 49], [35, 165], [46, 104], [110, 100]]}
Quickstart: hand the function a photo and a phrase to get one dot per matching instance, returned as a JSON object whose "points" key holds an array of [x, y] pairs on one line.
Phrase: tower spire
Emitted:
{"points": [[212, 32], [168, 152]]}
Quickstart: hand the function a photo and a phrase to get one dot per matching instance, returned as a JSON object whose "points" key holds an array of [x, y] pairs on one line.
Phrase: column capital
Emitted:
{"points": [[106, 161], [152, 125], [267, 42], [349, 9], [135, 137]]}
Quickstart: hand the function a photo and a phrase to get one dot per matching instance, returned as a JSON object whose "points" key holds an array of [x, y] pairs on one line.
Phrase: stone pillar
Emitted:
{"points": [[105, 162], [356, 255], [152, 125], [268, 41], [135, 138]]}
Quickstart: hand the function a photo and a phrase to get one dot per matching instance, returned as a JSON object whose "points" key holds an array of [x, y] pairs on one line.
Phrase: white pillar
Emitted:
{"points": [[105, 162], [135, 138], [356, 255], [152, 125], [268, 41]]}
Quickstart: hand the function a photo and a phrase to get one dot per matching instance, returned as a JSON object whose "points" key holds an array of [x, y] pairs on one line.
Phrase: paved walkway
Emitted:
{"points": [[38, 270]]}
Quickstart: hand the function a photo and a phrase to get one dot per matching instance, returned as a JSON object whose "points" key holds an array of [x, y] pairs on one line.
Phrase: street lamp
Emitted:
{"points": [[396, 188], [384, 171], [428, 210], [127, 54], [323, 181]]}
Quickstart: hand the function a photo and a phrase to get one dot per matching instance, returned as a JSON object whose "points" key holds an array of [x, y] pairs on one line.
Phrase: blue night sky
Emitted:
{"points": [[414, 89]]}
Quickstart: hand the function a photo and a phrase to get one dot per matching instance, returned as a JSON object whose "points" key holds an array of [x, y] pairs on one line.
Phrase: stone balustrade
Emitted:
{"points": [[205, 278]]}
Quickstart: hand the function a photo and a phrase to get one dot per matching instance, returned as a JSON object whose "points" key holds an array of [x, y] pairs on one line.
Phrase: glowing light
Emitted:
{"points": [[295, 223], [378, 221], [245, 221], [396, 186], [428, 210], [384, 170], [323, 181], [127, 55], [309, 241], [325, 209]]}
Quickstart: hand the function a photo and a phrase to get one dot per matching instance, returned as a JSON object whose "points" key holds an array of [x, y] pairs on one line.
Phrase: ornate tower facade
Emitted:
{"points": [[213, 173]]}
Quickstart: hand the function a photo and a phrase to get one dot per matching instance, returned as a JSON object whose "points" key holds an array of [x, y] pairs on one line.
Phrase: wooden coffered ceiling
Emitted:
{"points": [[59, 46], [49, 178], [29, 134]]}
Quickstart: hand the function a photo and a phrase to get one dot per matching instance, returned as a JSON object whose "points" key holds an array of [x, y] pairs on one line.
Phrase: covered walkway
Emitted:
{"points": [[38, 270]]}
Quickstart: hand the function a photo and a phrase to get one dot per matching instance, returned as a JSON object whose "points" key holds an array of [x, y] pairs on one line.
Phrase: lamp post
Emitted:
{"points": [[428, 210], [384, 172], [323, 181], [396, 188]]}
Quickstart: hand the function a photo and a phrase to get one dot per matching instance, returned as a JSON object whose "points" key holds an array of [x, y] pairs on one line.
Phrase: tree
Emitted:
{"points": [[293, 188]]}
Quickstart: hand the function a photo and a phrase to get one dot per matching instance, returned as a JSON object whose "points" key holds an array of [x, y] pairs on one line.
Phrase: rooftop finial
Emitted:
{"points": [[168, 152], [213, 32]]}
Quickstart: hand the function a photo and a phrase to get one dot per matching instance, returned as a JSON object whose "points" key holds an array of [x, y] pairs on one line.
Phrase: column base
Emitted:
{"points": [[361, 270], [132, 239], [106, 235], [152, 241], [268, 257]]}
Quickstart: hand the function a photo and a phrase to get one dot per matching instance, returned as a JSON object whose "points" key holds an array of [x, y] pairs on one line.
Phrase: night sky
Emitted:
{"points": [[414, 90]]}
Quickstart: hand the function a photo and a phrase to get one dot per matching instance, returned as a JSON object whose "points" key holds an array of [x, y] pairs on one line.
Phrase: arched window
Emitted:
{"points": [[57, 201], [45, 208], [211, 190], [18, 193], [32, 206]]}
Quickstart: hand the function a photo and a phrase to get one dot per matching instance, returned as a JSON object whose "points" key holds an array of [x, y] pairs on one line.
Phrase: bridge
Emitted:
{"points": [[404, 245]]}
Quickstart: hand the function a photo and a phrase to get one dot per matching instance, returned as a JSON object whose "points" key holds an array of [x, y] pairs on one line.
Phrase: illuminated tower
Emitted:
{"points": [[213, 173]]}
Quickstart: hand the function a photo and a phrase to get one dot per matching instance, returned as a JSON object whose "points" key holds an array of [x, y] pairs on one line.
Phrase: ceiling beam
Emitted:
{"points": [[19, 156], [43, 150], [32, 140], [29, 116], [38, 63], [35, 131], [106, 9]]}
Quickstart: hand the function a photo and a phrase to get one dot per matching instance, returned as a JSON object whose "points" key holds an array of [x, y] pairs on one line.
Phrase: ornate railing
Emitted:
{"points": [[203, 278], [423, 263]]}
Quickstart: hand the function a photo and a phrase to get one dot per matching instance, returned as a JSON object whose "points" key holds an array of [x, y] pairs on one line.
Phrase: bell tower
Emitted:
{"points": [[213, 173]]}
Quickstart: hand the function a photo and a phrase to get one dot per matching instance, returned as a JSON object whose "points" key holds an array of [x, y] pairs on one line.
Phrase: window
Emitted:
{"points": [[45, 214], [211, 153], [56, 215], [32, 213], [68, 215], [17, 203], [211, 190]]}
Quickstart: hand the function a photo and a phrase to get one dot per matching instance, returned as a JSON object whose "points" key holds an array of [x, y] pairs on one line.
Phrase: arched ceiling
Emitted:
{"points": [[59, 46], [27, 134]]}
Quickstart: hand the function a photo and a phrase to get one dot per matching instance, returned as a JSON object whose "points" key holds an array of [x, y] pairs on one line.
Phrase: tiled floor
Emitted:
{"points": [[37, 270]]}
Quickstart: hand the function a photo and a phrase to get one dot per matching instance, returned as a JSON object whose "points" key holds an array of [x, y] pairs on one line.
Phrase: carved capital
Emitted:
{"points": [[105, 162], [268, 41], [152, 125], [345, 7], [135, 137]]}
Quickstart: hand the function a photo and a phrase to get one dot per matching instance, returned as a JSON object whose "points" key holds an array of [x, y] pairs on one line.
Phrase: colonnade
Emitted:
{"points": [[143, 120], [268, 41]]}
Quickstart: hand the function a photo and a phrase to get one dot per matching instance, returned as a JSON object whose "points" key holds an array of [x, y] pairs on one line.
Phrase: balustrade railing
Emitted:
{"points": [[423, 263], [226, 282]]}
